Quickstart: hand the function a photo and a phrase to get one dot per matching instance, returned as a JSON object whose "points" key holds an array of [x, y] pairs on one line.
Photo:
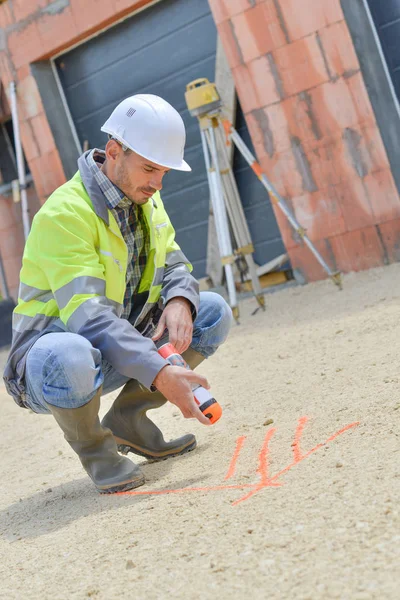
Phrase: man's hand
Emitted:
{"points": [[175, 383], [177, 318]]}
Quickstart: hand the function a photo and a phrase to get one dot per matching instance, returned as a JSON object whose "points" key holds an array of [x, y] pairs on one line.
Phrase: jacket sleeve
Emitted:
{"points": [[66, 252], [177, 280]]}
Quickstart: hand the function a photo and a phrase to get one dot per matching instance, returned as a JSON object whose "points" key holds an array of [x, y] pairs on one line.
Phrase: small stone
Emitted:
{"points": [[60, 453], [130, 564], [339, 465], [48, 491], [250, 530], [268, 422]]}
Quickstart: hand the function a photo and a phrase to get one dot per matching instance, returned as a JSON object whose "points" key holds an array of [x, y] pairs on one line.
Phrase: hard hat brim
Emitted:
{"points": [[183, 166]]}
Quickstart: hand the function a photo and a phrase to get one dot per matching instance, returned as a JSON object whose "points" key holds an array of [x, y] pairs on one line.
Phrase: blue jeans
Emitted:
{"points": [[63, 369]]}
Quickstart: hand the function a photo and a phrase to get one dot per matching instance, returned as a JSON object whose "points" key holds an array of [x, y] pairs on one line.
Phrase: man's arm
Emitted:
{"points": [[179, 296]]}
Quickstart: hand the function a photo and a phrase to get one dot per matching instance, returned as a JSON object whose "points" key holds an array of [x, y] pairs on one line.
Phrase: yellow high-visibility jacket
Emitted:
{"points": [[73, 279]]}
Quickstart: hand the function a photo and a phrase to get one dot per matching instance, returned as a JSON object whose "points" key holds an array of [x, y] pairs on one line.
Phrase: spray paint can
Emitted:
{"points": [[204, 400]]}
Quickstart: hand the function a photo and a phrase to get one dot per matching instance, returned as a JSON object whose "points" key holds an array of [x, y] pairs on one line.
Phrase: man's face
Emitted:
{"points": [[137, 177]]}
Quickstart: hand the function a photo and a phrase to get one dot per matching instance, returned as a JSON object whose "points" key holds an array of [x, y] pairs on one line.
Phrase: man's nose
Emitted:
{"points": [[156, 181]]}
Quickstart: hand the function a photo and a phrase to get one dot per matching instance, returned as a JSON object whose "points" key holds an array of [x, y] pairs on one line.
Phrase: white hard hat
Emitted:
{"points": [[151, 127]]}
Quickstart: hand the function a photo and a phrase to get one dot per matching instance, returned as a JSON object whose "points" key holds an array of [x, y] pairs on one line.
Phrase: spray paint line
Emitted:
{"points": [[232, 467], [262, 470], [298, 457]]}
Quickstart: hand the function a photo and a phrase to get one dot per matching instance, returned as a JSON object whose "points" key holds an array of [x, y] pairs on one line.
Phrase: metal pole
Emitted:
{"points": [[20, 160], [221, 222]]}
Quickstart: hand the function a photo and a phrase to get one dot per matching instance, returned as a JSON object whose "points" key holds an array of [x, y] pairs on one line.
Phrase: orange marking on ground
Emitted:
{"points": [[189, 489], [297, 438], [239, 445], [262, 470], [318, 447]]}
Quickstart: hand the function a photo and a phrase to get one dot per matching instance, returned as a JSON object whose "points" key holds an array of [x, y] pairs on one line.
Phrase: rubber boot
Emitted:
{"points": [[134, 431], [96, 448]]}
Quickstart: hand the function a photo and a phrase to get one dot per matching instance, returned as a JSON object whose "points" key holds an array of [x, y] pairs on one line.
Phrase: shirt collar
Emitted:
{"points": [[113, 195]]}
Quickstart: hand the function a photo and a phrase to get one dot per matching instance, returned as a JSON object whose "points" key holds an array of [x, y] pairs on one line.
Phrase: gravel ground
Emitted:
{"points": [[293, 494]]}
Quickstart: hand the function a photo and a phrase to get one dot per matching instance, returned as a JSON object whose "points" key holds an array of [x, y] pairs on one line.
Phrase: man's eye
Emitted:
{"points": [[148, 169]]}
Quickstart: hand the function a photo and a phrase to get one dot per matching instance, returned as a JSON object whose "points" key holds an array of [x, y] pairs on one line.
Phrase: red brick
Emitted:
{"points": [[333, 107], [29, 143], [383, 196], [91, 13], [355, 203], [12, 267], [42, 133], [258, 30], [310, 16], [58, 30], [48, 173], [356, 153], [360, 98], [322, 160], [6, 75], [8, 214], [12, 241], [234, 7], [303, 260], [339, 50], [319, 213], [25, 45], [25, 8], [23, 72], [301, 65], [281, 169], [358, 250], [263, 81], [278, 125], [230, 44], [390, 235], [29, 100], [6, 16], [219, 11], [245, 88]]}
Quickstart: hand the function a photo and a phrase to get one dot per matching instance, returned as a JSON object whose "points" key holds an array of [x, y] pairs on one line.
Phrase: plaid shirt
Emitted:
{"points": [[132, 224]]}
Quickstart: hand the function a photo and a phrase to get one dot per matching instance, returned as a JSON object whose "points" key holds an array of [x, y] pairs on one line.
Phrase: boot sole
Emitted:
{"points": [[122, 487], [124, 447]]}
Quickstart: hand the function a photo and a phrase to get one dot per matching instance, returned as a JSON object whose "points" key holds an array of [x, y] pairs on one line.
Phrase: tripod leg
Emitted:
{"points": [[278, 200], [221, 222]]}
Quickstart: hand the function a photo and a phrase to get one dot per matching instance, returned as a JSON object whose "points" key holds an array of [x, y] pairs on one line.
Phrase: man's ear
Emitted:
{"points": [[112, 150]]}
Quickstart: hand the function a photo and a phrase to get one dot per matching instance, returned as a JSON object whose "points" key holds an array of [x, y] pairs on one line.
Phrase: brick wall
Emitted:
{"points": [[305, 102], [12, 236], [32, 30], [313, 127]]}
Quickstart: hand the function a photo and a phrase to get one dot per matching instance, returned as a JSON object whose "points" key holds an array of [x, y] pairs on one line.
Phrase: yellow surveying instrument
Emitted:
{"points": [[217, 133]]}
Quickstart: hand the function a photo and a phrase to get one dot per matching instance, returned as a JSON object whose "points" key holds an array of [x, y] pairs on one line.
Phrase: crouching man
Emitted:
{"points": [[103, 280]]}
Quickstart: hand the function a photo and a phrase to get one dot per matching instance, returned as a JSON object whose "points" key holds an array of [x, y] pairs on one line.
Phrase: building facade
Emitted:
{"points": [[317, 87]]}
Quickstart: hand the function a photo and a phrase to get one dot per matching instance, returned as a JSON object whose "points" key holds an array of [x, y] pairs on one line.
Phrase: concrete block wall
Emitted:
{"points": [[299, 83]]}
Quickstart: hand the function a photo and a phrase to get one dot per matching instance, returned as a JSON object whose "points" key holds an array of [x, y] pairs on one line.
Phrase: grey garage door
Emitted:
{"points": [[159, 51], [386, 15]]}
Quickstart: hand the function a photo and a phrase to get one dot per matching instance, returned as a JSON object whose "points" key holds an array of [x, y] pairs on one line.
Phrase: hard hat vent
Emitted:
{"points": [[131, 112]]}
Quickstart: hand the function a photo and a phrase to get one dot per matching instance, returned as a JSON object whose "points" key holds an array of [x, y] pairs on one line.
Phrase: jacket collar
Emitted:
{"points": [[93, 189]]}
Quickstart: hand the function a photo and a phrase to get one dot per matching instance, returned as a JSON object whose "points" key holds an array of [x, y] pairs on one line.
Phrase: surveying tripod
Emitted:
{"points": [[217, 132]]}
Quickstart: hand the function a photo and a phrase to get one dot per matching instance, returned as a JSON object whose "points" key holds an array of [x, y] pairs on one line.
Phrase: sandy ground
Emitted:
{"points": [[326, 527]]}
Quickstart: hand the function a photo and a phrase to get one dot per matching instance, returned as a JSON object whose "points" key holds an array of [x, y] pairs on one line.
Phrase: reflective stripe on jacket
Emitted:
{"points": [[73, 279]]}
